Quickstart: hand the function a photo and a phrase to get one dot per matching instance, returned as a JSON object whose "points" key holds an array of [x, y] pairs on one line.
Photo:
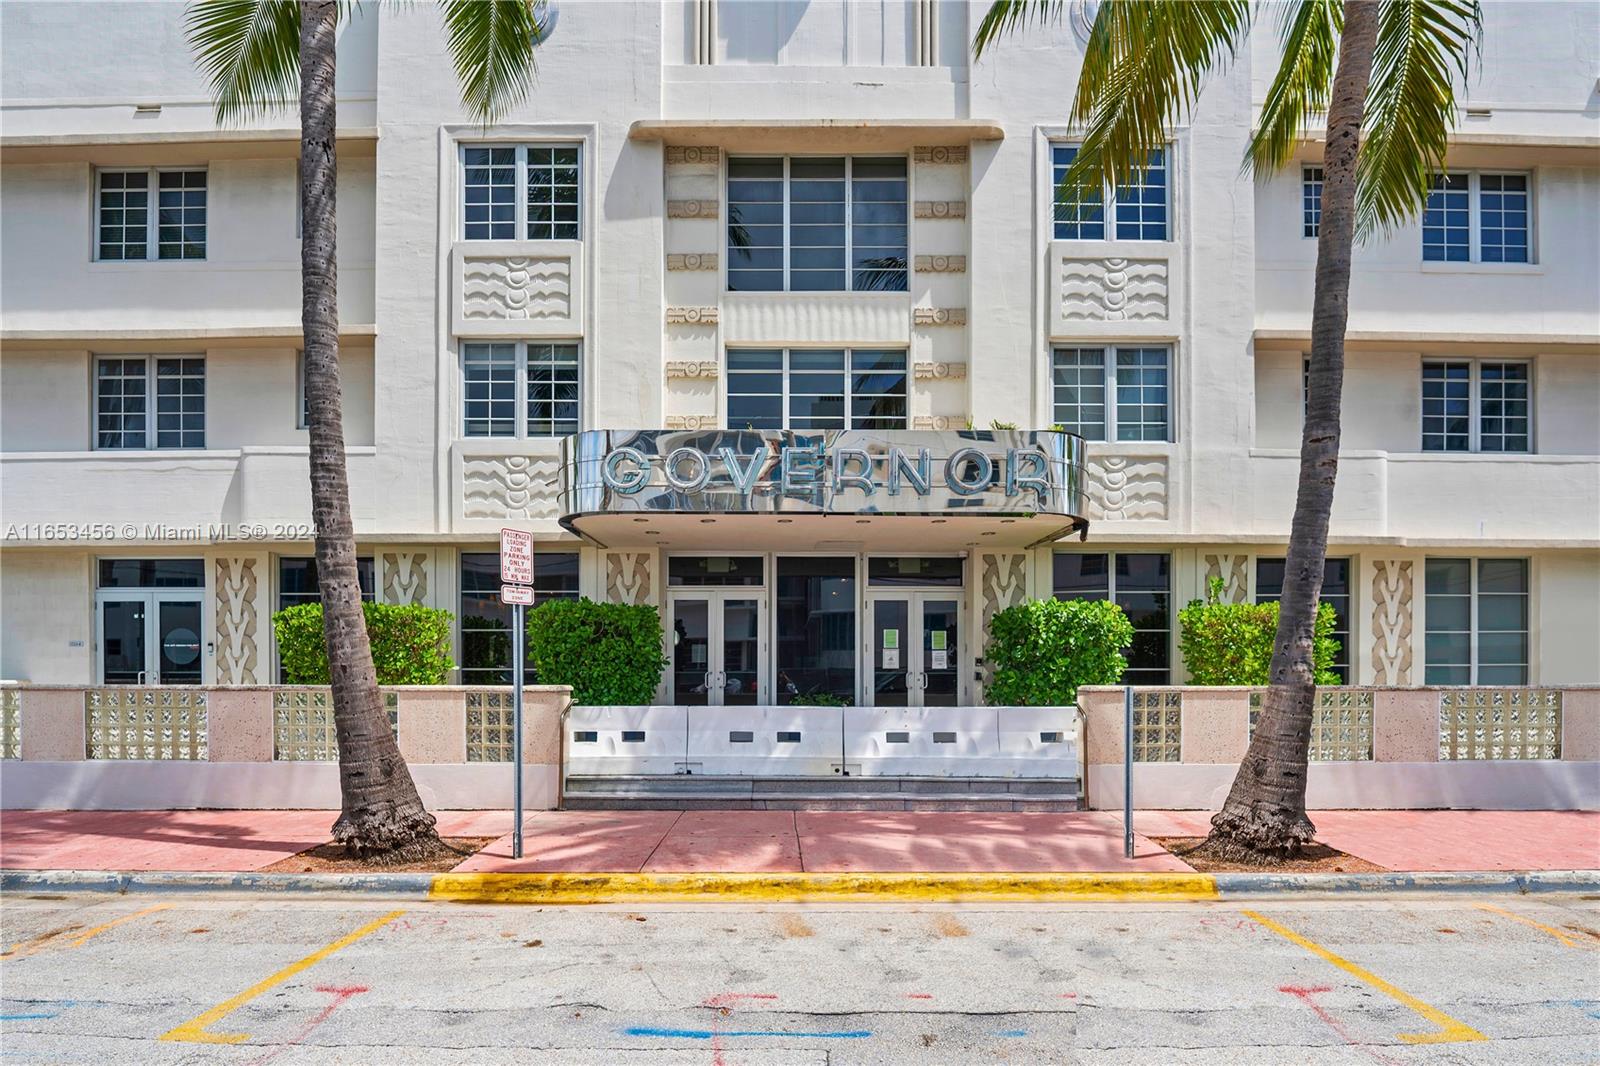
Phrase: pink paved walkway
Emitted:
{"points": [[776, 841]]}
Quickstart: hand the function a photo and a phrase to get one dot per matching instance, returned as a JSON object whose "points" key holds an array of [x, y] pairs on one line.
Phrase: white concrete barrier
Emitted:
{"points": [[765, 741], [626, 740]]}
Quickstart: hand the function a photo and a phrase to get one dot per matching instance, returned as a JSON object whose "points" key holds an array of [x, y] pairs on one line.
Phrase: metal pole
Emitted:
{"points": [[1127, 770], [517, 666]]}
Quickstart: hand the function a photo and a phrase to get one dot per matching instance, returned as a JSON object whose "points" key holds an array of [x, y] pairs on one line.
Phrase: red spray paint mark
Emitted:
{"points": [[1069, 995], [919, 995], [723, 1003], [1304, 994], [339, 994]]}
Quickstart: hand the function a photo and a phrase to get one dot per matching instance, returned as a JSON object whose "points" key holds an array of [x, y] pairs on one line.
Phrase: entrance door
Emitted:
{"points": [[914, 649], [718, 648], [150, 638]]}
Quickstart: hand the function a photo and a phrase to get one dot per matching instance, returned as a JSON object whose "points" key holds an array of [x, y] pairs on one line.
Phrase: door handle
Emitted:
{"points": [[141, 678]]}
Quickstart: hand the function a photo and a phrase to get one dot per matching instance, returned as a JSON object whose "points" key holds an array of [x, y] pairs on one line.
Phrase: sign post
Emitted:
{"points": [[1127, 771], [516, 591]]}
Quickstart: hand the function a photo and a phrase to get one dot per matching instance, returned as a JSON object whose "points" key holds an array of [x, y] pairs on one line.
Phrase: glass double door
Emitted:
{"points": [[914, 649], [718, 648], [149, 638]]}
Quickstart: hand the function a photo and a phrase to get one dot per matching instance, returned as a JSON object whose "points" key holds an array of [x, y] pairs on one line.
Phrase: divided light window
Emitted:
{"points": [[1477, 620], [1476, 406], [1141, 584], [486, 622], [1109, 393], [125, 416], [298, 584], [804, 388], [1138, 209], [1311, 201], [817, 224], [524, 191], [126, 226], [1475, 217], [1335, 593], [519, 389]]}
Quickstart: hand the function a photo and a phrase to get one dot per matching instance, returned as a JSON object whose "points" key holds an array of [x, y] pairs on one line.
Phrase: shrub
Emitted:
{"points": [[410, 643], [1231, 643], [610, 653], [1042, 650]]}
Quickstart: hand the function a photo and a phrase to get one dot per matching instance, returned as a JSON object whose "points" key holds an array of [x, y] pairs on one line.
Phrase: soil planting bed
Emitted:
{"points": [[1313, 859], [330, 858]]}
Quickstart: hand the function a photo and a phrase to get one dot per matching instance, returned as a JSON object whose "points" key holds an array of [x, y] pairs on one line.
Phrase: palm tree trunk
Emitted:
{"points": [[1265, 814], [382, 812]]}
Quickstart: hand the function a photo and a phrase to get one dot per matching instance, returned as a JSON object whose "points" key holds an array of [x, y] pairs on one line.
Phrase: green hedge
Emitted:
{"points": [[1042, 650], [410, 643], [1231, 643], [610, 653]]}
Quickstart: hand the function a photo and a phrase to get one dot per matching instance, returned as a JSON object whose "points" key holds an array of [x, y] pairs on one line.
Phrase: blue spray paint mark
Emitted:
{"points": [[707, 1034], [34, 1016], [1012, 1032]]}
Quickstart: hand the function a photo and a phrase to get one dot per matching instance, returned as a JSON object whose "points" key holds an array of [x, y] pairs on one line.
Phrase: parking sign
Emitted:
{"points": [[516, 557]]}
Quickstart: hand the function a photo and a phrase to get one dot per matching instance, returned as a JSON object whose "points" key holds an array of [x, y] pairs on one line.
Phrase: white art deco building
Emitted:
{"points": [[803, 241]]}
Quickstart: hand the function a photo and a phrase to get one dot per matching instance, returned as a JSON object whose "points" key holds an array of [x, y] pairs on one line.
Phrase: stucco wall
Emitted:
{"points": [[47, 613]]}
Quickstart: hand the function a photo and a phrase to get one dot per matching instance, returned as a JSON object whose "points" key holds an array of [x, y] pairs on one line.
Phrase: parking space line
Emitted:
{"points": [[194, 1031], [90, 934], [1451, 1030], [1570, 941]]}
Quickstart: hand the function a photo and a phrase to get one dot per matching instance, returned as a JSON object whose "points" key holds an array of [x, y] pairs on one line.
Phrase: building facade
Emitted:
{"points": [[772, 227]]}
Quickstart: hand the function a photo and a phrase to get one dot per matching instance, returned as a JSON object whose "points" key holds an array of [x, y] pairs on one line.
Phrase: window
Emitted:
{"points": [[541, 206], [1476, 406], [1473, 217], [1138, 209], [519, 389], [1335, 593], [1140, 584], [1311, 201], [302, 402], [124, 417], [1139, 409], [815, 616], [128, 229], [1477, 619], [802, 388], [298, 584], [486, 622], [817, 224]]}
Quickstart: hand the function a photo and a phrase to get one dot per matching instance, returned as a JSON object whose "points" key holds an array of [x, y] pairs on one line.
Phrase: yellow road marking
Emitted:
{"points": [[90, 934], [32, 947], [194, 1030], [1571, 942], [1451, 1030]]}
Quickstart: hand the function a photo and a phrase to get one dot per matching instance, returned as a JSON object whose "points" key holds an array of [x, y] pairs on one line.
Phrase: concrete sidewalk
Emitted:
{"points": [[840, 842]]}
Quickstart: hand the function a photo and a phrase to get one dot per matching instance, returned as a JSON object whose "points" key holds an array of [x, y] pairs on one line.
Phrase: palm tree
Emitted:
{"points": [[1382, 74], [261, 56]]}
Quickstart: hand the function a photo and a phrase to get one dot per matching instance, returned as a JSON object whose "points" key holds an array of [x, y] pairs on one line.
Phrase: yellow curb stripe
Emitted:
{"points": [[1565, 938], [1451, 1030], [581, 888], [90, 934], [194, 1031]]}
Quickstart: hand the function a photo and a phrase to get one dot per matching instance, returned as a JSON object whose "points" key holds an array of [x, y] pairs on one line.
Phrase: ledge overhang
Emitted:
{"points": [[187, 147], [1435, 342], [778, 135]]}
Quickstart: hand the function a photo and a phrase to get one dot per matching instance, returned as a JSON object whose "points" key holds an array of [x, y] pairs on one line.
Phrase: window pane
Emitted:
{"points": [[181, 224], [1445, 220], [904, 571], [755, 388], [152, 573], [1335, 593], [1503, 218], [1503, 576], [815, 619], [1311, 201], [121, 397], [1080, 391], [1141, 394], [1081, 575], [1141, 206], [552, 191], [1076, 217], [755, 225], [489, 191], [706, 570], [1503, 407], [489, 390], [878, 220], [1446, 411], [1447, 586], [552, 390], [180, 403], [877, 389], [486, 622], [124, 221]]}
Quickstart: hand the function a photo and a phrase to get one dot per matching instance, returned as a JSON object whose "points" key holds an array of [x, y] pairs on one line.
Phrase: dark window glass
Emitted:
{"points": [[1138, 582], [816, 626], [714, 570], [486, 622], [1445, 220], [943, 571], [1311, 201], [1335, 593], [297, 580], [152, 573]]}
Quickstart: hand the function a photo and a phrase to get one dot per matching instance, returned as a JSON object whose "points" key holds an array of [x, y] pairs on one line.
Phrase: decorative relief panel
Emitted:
{"points": [[1123, 488], [692, 261], [941, 423], [691, 316], [1391, 622], [1005, 584], [689, 155], [628, 577], [1234, 572], [236, 622], [691, 209], [516, 288], [939, 316], [509, 486], [939, 209], [705, 369], [939, 371], [1113, 290], [405, 577], [941, 154], [941, 264], [691, 421]]}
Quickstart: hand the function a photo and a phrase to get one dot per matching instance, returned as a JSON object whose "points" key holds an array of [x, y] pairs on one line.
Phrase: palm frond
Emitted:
{"points": [[492, 45], [1006, 16], [1423, 47], [249, 51], [1299, 93]]}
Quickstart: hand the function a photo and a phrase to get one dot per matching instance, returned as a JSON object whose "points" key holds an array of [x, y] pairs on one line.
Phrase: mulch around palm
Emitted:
{"points": [[330, 858], [1313, 859]]}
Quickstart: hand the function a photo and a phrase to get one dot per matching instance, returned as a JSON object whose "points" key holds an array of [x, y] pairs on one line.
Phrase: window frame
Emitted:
{"points": [[1108, 198], [1347, 644], [152, 243], [1171, 628], [787, 392], [475, 675], [1111, 404], [151, 363], [1311, 202], [1475, 220], [1475, 366], [1474, 630], [520, 200], [520, 397], [848, 225]]}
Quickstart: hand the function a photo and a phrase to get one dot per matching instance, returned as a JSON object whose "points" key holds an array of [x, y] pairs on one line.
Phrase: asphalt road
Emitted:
{"points": [[100, 980]]}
